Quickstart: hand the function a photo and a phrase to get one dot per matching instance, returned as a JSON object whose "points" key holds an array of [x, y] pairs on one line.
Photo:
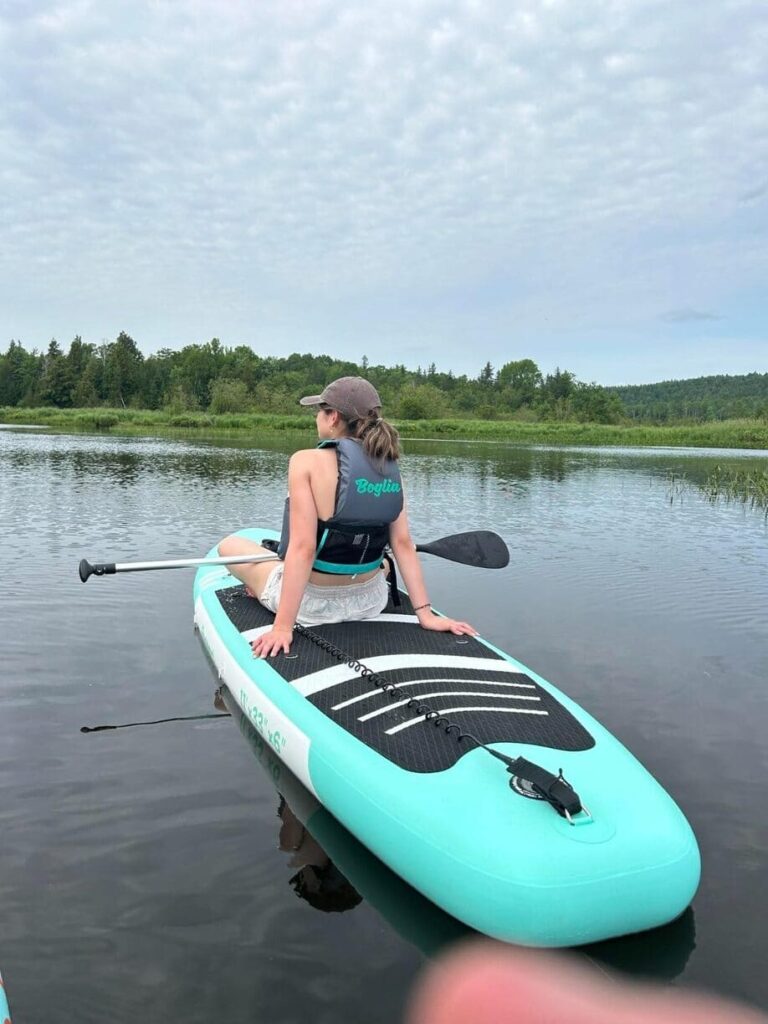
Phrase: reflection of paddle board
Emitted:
{"points": [[415, 919], [444, 815], [661, 955]]}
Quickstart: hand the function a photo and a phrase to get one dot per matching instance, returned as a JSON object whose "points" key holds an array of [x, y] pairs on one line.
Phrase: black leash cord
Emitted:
{"points": [[555, 789], [391, 688]]}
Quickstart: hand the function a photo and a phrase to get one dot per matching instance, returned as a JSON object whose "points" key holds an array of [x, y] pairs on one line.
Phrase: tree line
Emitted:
{"points": [[217, 379], [699, 399]]}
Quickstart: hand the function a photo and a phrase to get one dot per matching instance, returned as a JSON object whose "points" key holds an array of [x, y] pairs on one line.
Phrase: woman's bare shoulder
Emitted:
{"points": [[307, 458]]}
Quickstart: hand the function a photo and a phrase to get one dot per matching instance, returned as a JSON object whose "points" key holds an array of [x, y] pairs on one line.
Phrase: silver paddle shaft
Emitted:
{"points": [[87, 570], [190, 563]]}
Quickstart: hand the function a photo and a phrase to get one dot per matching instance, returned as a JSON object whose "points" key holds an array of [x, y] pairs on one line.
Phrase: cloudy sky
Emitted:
{"points": [[580, 182]]}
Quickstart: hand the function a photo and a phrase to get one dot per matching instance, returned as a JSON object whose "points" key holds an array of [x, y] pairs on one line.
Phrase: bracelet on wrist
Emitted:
{"points": [[418, 608]]}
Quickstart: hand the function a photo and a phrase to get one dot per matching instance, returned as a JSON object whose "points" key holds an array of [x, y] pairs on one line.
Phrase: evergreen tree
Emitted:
{"points": [[57, 379], [559, 385], [17, 372], [87, 390], [122, 369], [78, 356]]}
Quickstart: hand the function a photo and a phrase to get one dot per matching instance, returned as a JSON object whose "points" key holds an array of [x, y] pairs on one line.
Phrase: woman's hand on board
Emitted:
{"points": [[276, 641], [438, 623]]}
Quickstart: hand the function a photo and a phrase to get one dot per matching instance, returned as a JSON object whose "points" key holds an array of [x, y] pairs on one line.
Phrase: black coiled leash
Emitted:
{"points": [[555, 789]]}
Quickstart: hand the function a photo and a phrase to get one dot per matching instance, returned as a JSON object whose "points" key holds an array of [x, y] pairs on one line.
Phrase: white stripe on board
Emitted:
{"points": [[454, 711], [419, 682], [445, 693], [336, 674], [395, 617]]}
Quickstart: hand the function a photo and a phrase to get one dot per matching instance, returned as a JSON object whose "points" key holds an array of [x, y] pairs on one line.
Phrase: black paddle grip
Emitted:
{"points": [[86, 569]]}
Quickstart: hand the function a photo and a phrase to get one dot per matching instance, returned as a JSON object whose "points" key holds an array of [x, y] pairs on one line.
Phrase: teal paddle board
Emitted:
{"points": [[471, 777]]}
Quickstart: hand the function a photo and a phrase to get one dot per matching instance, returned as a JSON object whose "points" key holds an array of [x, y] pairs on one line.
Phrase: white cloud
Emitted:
{"points": [[180, 165]]}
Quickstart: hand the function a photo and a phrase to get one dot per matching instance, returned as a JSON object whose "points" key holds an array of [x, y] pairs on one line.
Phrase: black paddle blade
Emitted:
{"points": [[482, 548]]}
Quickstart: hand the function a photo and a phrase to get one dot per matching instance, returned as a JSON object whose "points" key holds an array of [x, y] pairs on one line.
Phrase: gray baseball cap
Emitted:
{"points": [[354, 397]]}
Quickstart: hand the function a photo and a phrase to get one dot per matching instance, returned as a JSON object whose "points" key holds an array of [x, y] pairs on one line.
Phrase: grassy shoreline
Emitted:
{"points": [[742, 433]]}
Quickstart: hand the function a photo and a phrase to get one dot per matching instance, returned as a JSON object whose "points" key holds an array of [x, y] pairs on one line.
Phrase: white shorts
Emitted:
{"points": [[319, 605]]}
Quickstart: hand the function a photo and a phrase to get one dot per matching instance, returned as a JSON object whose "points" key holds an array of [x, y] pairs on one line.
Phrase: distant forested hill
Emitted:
{"points": [[699, 398]]}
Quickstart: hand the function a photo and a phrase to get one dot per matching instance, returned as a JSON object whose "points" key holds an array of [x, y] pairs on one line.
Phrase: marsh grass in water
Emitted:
{"points": [[725, 483], [677, 485], [744, 433], [749, 486]]}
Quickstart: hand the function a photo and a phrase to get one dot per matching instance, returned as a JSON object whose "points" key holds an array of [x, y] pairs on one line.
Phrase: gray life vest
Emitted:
{"points": [[368, 499]]}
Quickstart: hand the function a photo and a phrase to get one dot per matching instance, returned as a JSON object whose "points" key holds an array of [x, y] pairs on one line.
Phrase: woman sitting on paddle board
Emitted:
{"points": [[345, 505]]}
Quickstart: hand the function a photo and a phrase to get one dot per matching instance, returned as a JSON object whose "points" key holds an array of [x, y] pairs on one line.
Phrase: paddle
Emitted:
{"points": [[110, 568], [481, 548]]}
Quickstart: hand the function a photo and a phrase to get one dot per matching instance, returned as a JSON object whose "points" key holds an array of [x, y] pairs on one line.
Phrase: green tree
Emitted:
{"points": [[35, 369], [156, 378], [559, 385], [87, 390], [269, 397], [520, 379], [78, 357], [229, 396], [421, 402], [196, 368], [18, 372], [594, 404], [179, 399], [57, 380], [122, 369]]}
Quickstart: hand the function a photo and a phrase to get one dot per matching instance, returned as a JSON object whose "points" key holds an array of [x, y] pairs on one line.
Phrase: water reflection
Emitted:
{"points": [[661, 954], [122, 460], [357, 874], [318, 880], [518, 463]]}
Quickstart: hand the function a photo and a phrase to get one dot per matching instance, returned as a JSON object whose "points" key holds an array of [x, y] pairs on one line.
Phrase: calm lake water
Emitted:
{"points": [[140, 870]]}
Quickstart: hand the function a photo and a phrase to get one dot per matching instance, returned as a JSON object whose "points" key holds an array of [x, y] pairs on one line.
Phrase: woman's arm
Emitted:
{"points": [[409, 565], [298, 558]]}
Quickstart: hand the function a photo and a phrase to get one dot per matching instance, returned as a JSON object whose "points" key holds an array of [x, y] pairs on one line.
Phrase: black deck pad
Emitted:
{"points": [[420, 746]]}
